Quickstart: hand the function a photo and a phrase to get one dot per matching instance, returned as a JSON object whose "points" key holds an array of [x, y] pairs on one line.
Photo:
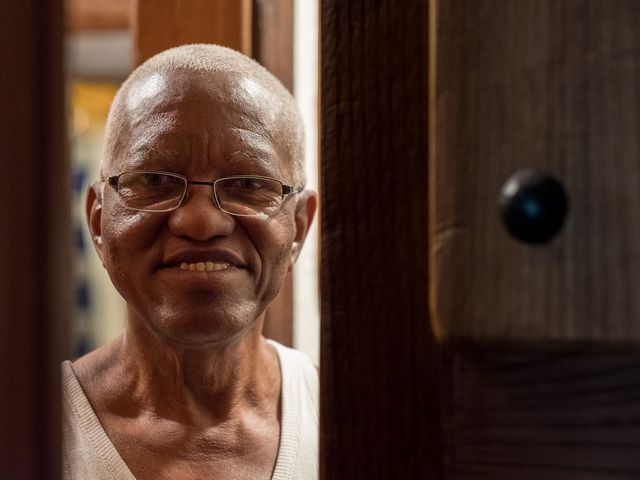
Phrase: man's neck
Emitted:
{"points": [[202, 386]]}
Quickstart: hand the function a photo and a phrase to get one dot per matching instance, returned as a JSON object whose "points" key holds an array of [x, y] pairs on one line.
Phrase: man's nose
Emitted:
{"points": [[199, 218]]}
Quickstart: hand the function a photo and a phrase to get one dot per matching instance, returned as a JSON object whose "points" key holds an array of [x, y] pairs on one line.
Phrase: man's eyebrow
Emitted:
{"points": [[142, 153], [263, 158]]}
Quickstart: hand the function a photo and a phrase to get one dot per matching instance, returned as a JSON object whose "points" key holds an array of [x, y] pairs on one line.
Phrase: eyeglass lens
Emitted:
{"points": [[249, 195], [151, 190]]}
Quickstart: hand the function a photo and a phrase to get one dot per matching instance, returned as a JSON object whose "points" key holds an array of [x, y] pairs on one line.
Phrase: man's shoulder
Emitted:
{"points": [[294, 357]]}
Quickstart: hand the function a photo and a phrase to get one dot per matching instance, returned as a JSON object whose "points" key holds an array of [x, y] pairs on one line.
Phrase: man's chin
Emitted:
{"points": [[202, 331]]}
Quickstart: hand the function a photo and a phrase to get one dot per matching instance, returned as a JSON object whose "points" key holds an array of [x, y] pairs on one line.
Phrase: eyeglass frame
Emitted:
{"points": [[287, 190]]}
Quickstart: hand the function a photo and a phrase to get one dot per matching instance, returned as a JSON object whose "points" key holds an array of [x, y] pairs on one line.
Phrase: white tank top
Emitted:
{"points": [[88, 454]]}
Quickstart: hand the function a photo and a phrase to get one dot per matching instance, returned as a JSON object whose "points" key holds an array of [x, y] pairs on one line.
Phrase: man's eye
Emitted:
{"points": [[155, 179], [248, 184]]}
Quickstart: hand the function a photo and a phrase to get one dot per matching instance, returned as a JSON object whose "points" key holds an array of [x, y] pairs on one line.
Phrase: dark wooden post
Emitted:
{"points": [[34, 238], [378, 359]]}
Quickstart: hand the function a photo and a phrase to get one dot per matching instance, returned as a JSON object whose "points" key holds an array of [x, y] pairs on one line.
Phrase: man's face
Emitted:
{"points": [[203, 128]]}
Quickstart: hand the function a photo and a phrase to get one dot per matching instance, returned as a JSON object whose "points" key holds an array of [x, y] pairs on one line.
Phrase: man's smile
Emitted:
{"points": [[204, 259], [203, 266]]}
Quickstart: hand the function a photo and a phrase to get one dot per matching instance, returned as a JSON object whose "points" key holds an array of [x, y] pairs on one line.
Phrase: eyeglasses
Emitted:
{"points": [[242, 195]]}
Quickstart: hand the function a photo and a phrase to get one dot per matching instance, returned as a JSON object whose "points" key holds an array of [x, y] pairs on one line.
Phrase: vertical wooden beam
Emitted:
{"points": [[273, 48], [278, 322], [91, 15], [273, 38], [162, 24], [34, 238], [379, 407]]}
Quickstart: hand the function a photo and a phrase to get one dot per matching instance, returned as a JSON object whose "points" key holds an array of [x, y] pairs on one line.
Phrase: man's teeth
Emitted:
{"points": [[204, 266]]}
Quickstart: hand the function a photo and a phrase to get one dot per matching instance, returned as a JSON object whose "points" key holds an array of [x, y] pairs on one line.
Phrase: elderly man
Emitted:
{"points": [[199, 214]]}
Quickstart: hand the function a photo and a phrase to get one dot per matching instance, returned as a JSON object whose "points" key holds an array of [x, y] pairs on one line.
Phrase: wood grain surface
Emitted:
{"points": [[553, 85], [541, 415], [35, 238], [272, 46], [162, 24], [379, 400], [273, 38], [84, 15]]}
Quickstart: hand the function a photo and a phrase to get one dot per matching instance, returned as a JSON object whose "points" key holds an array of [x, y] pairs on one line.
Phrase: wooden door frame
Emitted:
{"points": [[35, 239], [379, 409], [272, 46]]}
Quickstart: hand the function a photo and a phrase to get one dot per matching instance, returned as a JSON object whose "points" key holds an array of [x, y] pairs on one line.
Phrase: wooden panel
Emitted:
{"points": [[34, 238], [542, 415], [273, 38], [552, 85], [273, 47], [278, 322], [162, 24], [378, 407], [98, 14]]}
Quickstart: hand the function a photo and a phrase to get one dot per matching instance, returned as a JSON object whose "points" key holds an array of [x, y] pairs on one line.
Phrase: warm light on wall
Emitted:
{"points": [[98, 309]]}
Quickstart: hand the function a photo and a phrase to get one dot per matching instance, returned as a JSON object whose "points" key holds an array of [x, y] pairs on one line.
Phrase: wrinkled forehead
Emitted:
{"points": [[200, 99]]}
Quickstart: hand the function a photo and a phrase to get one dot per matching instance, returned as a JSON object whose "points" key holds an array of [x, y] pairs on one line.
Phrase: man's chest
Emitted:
{"points": [[228, 452]]}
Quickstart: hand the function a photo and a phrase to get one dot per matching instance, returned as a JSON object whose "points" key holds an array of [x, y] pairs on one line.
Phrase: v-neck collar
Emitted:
{"points": [[113, 464]]}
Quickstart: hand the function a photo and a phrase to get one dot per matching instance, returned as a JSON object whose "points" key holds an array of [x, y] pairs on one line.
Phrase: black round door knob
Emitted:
{"points": [[533, 206]]}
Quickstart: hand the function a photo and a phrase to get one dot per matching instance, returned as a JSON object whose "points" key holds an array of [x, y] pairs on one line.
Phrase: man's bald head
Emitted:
{"points": [[208, 64]]}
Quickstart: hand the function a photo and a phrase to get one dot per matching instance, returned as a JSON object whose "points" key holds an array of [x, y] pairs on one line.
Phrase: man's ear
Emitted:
{"points": [[306, 206], [93, 210]]}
